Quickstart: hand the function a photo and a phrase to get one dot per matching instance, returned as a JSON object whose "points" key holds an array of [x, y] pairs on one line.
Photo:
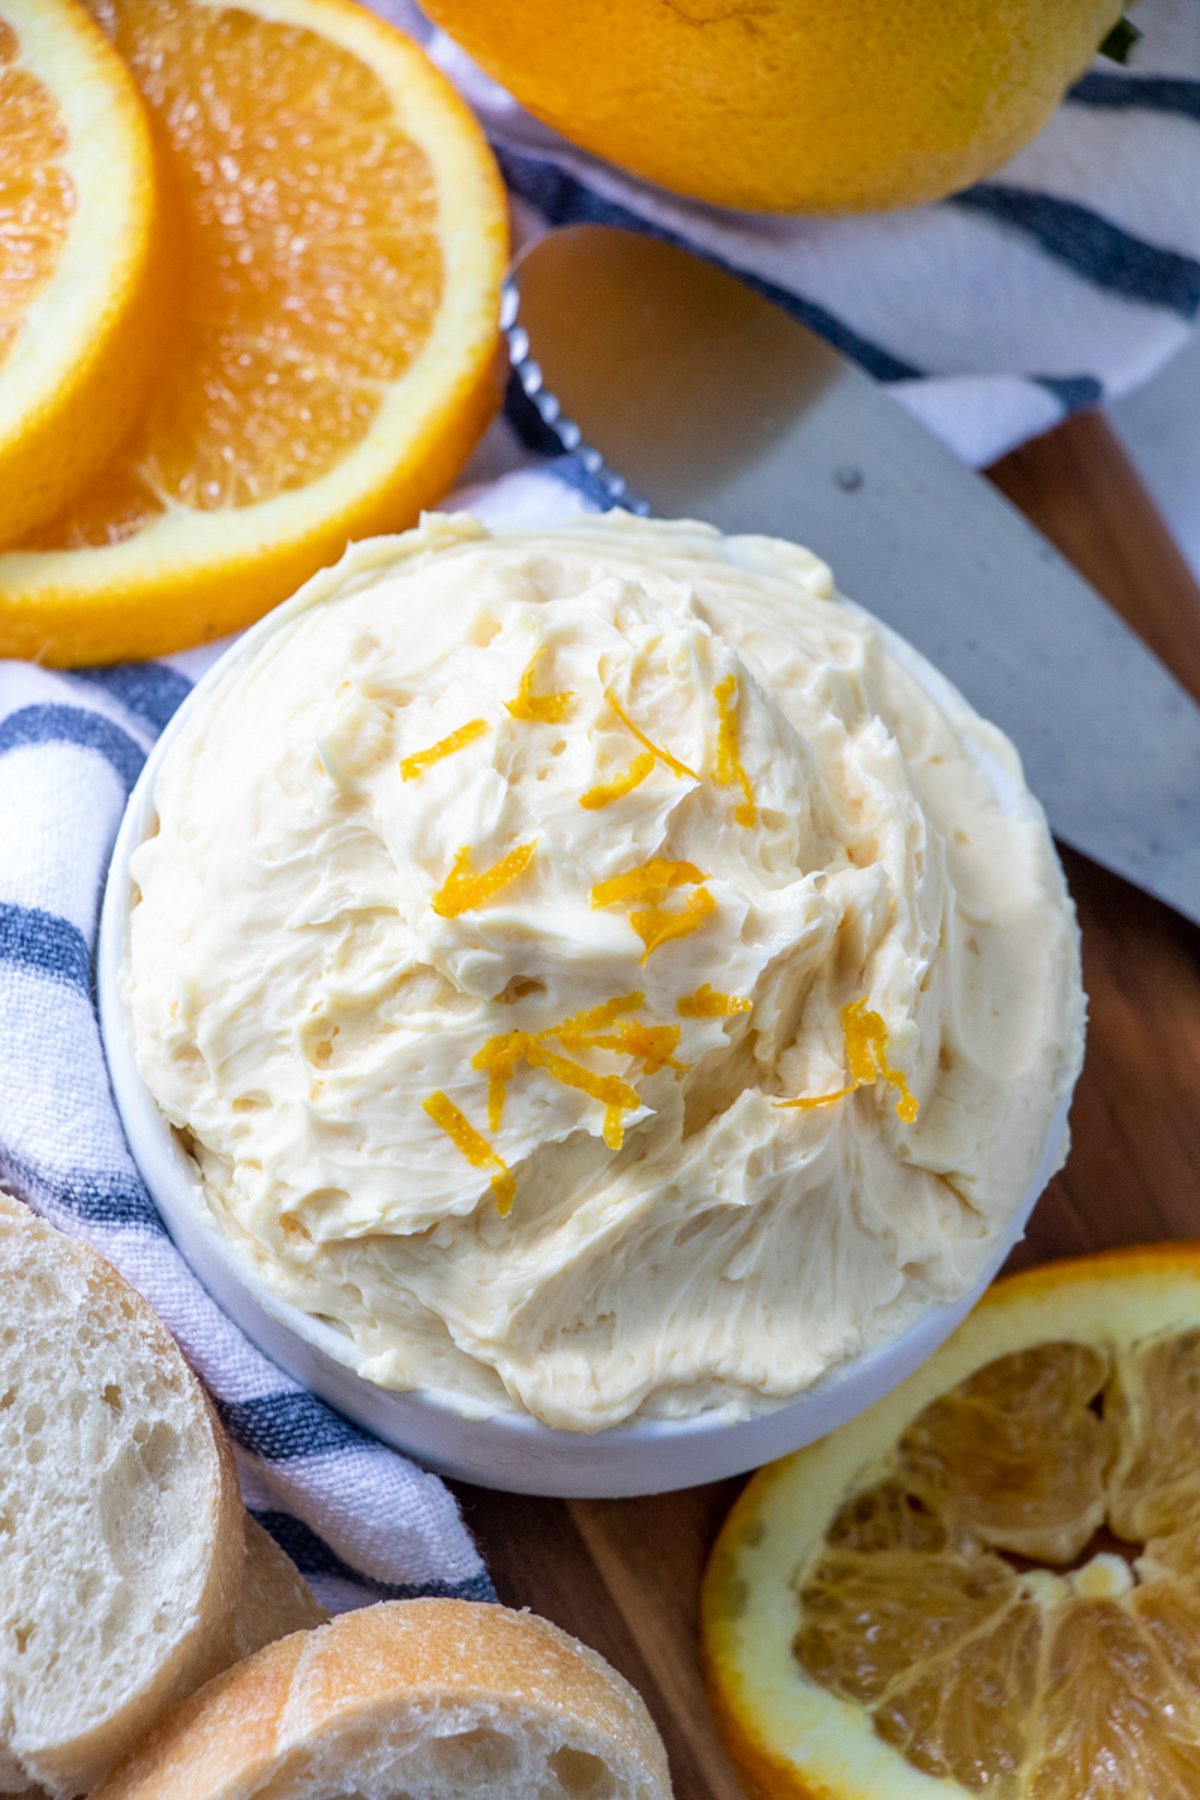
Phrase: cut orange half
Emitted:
{"points": [[335, 332], [79, 252], [989, 1583]]}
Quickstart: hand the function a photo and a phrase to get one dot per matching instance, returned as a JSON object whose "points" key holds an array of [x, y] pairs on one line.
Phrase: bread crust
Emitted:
{"points": [[251, 1726], [74, 1764], [275, 1599]]}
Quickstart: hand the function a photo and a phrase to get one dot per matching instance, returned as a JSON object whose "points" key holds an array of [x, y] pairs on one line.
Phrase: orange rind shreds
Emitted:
{"points": [[989, 1583], [334, 333], [866, 1061], [465, 888], [474, 1146], [82, 261]]}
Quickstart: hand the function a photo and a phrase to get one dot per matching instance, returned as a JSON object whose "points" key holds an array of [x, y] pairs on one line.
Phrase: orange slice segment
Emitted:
{"points": [[79, 257], [990, 1580], [334, 339]]}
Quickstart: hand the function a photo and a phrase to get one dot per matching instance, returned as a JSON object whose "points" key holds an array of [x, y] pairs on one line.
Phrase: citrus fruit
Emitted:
{"points": [[78, 256], [334, 345], [989, 1583], [793, 106]]}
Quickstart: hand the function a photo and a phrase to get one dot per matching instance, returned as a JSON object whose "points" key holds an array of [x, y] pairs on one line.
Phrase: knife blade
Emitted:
{"points": [[687, 394]]}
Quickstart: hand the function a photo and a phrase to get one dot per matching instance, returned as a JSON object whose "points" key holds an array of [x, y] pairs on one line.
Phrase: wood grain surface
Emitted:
{"points": [[624, 1574]]}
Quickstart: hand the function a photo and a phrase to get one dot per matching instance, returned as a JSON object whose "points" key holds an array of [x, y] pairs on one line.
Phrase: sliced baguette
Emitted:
{"points": [[409, 1700], [121, 1535], [275, 1599]]}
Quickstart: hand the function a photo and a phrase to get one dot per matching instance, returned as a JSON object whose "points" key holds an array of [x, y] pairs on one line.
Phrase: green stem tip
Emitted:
{"points": [[1120, 41]]}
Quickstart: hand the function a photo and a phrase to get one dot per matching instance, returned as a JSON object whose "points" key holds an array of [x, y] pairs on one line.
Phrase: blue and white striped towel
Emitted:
{"points": [[1071, 275], [1065, 279], [361, 1522]]}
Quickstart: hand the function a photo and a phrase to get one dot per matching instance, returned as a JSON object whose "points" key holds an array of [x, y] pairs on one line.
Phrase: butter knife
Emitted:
{"points": [[687, 394]]}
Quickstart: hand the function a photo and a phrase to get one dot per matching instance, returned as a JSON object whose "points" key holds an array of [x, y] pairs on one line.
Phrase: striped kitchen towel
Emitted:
{"points": [[361, 1522], [1065, 279]]}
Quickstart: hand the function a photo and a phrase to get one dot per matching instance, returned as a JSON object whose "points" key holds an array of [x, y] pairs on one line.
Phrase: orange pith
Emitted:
{"points": [[1005, 1594], [37, 195]]}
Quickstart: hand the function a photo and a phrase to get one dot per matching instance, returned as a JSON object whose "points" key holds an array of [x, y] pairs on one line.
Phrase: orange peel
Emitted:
{"points": [[605, 792], [415, 765], [988, 1582], [474, 1146], [865, 1037], [463, 890], [709, 1003], [542, 709], [729, 769], [657, 751]]}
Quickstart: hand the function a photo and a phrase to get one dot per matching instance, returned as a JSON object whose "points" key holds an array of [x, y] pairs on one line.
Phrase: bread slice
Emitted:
{"points": [[409, 1700], [275, 1599], [121, 1535]]}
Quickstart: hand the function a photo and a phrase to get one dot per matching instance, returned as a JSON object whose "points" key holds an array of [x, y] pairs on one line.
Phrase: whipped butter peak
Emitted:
{"points": [[558, 858]]}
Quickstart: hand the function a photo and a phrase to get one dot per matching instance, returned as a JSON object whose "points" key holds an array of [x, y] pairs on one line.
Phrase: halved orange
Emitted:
{"points": [[80, 286], [335, 332], [989, 1583]]}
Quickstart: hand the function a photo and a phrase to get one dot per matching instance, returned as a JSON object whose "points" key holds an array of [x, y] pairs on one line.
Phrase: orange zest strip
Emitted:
{"points": [[420, 760], [653, 1045], [656, 927], [500, 1056], [620, 785], [810, 1102], [474, 1147], [866, 1051], [656, 750], [648, 881], [463, 890], [729, 761], [707, 1003], [544, 709], [576, 1031]]}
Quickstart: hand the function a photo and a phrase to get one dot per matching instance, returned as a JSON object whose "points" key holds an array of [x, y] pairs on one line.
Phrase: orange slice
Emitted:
{"points": [[79, 265], [334, 337], [990, 1582]]}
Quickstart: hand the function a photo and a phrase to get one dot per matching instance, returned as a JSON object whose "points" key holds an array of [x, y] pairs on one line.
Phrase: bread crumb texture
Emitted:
{"points": [[121, 1547]]}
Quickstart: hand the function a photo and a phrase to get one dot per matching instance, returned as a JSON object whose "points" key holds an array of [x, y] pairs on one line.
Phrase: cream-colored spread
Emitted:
{"points": [[505, 889]]}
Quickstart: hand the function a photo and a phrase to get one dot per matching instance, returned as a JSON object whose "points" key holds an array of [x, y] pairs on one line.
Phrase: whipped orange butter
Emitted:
{"points": [[599, 969]]}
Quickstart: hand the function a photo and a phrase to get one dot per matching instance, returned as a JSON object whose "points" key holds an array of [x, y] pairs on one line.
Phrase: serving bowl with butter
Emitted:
{"points": [[590, 1001]]}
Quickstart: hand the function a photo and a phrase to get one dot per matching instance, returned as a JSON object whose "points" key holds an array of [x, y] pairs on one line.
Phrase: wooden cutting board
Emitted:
{"points": [[623, 1574]]}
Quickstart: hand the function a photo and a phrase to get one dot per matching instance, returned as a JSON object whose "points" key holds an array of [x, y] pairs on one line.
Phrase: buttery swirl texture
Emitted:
{"points": [[502, 889]]}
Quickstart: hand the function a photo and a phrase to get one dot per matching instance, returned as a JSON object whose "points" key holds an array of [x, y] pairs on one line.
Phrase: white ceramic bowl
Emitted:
{"points": [[516, 1453]]}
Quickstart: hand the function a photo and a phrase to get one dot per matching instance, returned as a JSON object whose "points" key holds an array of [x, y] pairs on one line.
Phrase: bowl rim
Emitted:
{"points": [[177, 1192]]}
